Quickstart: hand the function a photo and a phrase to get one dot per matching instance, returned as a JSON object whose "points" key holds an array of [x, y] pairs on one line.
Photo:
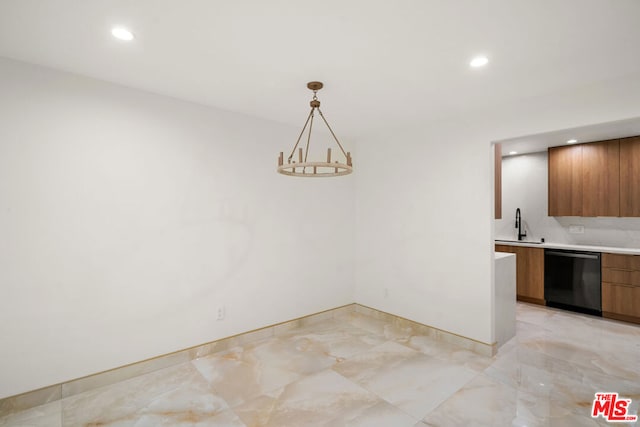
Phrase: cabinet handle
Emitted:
{"points": [[626, 270]]}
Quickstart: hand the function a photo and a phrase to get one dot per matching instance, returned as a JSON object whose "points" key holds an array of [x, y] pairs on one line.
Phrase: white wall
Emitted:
{"points": [[127, 218], [524, 185], [424, 204], [423, 236]]}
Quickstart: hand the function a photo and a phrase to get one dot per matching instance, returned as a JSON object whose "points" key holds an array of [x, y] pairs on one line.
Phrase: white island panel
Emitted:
{"points": [[505, 297]]}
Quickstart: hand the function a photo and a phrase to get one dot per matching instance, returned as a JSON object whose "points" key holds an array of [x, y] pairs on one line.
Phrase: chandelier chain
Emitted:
{"points": [[331, 130], [300, 136], [306, 153]]}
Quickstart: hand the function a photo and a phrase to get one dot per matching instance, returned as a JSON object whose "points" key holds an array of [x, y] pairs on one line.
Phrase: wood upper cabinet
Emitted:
{"points": [[601, 178], [630, 176], [529, 272], [565, 181], [585, 179]]}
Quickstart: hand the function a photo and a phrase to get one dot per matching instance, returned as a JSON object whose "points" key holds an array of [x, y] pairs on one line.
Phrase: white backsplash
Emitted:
{"points": [[525, 186]]}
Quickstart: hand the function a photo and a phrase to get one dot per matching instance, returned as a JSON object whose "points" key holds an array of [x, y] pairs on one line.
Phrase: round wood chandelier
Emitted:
{"points": [[303, 166]]}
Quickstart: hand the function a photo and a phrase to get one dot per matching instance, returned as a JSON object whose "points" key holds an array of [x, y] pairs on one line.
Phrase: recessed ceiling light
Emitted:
{"points": [[572, 141], [122, 33], [511, 153], [479, 61]]}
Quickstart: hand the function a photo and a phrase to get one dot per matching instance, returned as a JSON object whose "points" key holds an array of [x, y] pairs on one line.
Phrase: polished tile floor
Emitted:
{"points": [[358, 371]]}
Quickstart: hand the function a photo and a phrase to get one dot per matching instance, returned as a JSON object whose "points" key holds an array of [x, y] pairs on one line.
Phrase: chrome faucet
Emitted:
{"points": [[521, 235]]}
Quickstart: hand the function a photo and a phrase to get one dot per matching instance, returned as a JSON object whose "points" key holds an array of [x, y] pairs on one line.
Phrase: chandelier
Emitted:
{"points": [[308, 168]]}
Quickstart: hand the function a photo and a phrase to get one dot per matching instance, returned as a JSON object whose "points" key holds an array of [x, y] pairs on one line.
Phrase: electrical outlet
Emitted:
{"points": [[220, 312], [386, 292], [576, 229]]}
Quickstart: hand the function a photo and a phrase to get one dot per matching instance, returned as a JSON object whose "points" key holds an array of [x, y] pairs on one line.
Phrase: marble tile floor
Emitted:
{"points": [[355, 370]]}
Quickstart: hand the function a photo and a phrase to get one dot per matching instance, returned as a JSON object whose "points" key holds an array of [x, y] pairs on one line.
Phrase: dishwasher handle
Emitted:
{"points": [[573, 255]]}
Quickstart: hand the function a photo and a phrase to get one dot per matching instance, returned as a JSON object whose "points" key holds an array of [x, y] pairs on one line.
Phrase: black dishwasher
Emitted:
{"points": [[572, 280]]}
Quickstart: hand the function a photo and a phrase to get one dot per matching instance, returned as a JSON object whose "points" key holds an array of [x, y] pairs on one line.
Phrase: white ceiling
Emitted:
{"points": [[384, 63]]}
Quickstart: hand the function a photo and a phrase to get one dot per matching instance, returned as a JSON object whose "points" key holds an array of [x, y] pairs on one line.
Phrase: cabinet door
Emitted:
{"points": [[565, 181], [601, 178], [630, 176], [621, 302], [530, 274]]}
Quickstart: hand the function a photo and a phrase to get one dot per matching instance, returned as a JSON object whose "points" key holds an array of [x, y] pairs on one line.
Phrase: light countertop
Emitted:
{"points": [[550, 245]]}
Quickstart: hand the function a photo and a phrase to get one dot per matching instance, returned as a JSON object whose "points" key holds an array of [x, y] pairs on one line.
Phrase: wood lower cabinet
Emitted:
{"points": [[620, 281], [529, 272], [621, 302], [621, 287]]}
